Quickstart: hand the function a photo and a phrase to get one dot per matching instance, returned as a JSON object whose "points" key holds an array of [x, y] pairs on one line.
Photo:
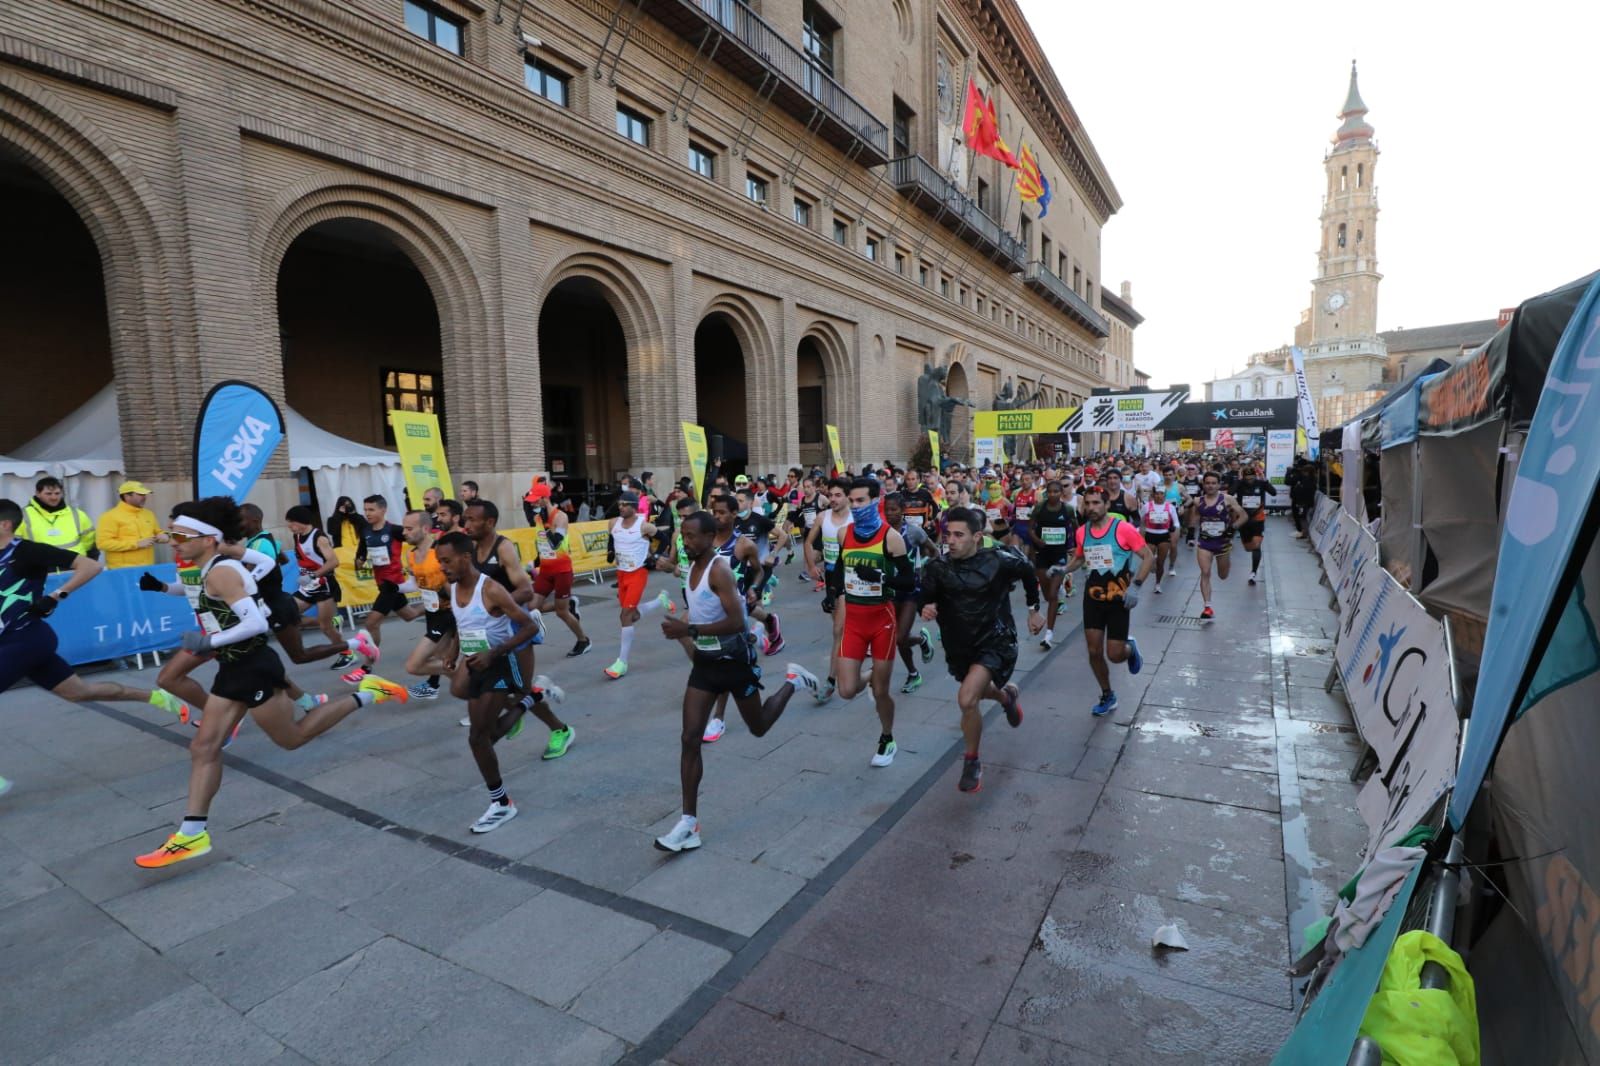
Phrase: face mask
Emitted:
{"points": [[866, 518], [745, 513]]}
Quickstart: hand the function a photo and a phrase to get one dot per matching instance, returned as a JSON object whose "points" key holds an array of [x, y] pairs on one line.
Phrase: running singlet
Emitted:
{"points": [[1191, 487], [809, 509], [383, 553], [1158, 517], [1174, 493], [1215, 526], [705, 608], [1108, 556], [216, 616], [1022, 505], [1050, 529], [629, 544], [271, 584], [478, 629], [305, 554], [492, 567], [555, 559], [1253, 494], [24, 564], [1118, 505], [870, 552], [832, 532]]}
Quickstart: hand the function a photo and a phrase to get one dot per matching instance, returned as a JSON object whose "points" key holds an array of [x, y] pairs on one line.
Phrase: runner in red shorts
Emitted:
{"points": [[552, 582], [630, 549]]}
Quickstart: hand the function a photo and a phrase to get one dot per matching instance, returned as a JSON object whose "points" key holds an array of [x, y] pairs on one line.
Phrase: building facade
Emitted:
{"points": [[1267, 376], [1120, 372], [566, 228], [1410, 350]]}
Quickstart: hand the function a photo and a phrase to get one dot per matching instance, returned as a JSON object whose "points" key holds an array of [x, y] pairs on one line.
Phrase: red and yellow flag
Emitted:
{"points": [[1032, 185], [981, 128]]}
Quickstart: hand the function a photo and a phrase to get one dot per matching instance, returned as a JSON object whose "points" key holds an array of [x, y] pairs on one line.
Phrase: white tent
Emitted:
{"points": [[85, 451]]}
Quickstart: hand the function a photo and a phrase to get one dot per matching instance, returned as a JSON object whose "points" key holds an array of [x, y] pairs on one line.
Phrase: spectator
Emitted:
{"points": [[127, 534], [346, 524], [49, 520], [469, 492]]}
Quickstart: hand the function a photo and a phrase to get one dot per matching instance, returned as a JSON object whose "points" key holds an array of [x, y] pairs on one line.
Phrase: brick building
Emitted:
{"points": [[564, 226]]}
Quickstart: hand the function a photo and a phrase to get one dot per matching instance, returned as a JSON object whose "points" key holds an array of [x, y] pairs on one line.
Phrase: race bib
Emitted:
{"points": [[994, 514], [627, 562], [1053, 535], [1100, 557], [430, 600], [830, 551], [192, 593], [1024, 513], [704, 643], [1251, 503], [1191, 490], [474, 641], [209, 623], [855, 585], [309, 585], [916, 520], [378, 556], [810, 518], [1212, 528]]}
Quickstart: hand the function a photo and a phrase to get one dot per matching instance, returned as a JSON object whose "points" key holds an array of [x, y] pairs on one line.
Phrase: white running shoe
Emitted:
{"points": [[466, 720], [553, 693], [1252, 579], [801, 676], [424, 691], [885, 753], [1158, 588], [496, 816], [685, 836], [1047, 640], [714, 730]]}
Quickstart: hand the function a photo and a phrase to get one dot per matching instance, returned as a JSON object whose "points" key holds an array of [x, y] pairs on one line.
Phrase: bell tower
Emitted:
{"points": [[1344, 302]]}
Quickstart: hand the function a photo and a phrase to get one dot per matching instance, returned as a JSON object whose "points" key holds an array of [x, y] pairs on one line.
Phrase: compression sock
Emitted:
{"points": [[433, 680], [1255, 559], [627, 642]]}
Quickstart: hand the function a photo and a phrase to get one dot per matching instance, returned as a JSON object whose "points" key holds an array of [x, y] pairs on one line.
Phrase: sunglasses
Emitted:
{"points": [[178, 536]]}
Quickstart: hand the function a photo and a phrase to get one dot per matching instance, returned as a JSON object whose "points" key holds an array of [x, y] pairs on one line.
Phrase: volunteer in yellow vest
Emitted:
{"points": [[127, 534], [49, 519]]}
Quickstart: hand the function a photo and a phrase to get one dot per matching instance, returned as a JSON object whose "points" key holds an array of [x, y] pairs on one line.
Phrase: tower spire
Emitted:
{"points": [[1355, 129]]}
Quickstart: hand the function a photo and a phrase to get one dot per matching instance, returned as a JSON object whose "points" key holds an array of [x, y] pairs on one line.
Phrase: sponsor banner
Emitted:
{"points": [[933, 444], [1034, 420], [1222, 438], [1118, 412], [1198, 419], [238, 430], [1280, 453], [985, 450], [1305, 407], [1470, 394], [694, 442], [421, 448], [111, 616], [1186, 444], [833, 446], [1323, 520]]}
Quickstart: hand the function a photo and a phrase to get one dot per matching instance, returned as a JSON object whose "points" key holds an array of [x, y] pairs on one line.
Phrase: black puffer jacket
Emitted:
{"points": [[974, 595]]}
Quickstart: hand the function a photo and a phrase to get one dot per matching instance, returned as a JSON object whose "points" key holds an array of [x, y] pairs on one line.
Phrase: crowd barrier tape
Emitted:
{"points": [[112, 617]]}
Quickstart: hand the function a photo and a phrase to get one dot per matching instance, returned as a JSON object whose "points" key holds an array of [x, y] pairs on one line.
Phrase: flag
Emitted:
{"points": [[981, 128], [1032, 185]]}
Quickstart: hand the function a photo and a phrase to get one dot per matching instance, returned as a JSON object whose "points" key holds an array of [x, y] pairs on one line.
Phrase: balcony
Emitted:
{"points": [[757, 54], [1058, 292], [920, 182]]}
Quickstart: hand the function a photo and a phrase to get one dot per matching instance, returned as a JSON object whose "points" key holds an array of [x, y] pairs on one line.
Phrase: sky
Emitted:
{"points": [[1213, 120]]}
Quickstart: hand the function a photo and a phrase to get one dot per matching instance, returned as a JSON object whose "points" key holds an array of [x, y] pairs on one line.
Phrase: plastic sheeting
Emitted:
{"points": [[1460, 519]]}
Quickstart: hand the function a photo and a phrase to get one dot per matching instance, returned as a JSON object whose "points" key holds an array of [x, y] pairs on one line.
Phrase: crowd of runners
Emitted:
{"points": [[903, 561]]}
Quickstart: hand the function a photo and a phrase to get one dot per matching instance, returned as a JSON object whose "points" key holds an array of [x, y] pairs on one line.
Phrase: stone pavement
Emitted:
{"points": [[836, 913]]}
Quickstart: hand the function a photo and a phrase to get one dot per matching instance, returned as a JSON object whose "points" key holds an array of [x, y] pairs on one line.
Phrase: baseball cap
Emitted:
{"points": [[630, 498], [741, 480], [133, 486]]}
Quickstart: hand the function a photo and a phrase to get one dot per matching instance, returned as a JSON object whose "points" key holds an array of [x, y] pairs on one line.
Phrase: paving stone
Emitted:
{"points": [[641, 991], [502, 1027], [606, 856], [216, 1034], [22, 879], [254, 958], [740, 896], [1096, 765], [1029, 817], [1171, 741], [345, 863], [552, 947], [1315, 705], [1006, 1046], [1197, 781], [1209, 873], [366, 778], [47, 828], [808, 848], [734, 1033], [242, 800], [173, 911], [1182, 722], [1147, 818], [443, 903]]}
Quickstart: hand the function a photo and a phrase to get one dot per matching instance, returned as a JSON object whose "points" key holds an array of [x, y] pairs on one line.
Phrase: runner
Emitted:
{"points": [[491, 629], [724, 663], [314, 555], [1191, 492], [1106, 546], [447, 519], [968, 593], [250, 678], [920, 548], [804, 517], [380, 550], [1023, 501], [496, 558], [628, 546], [1159, 521], [28, 643], [437, 646], [1119, 501], [552, 581], [1216, 515], [1051, 530], [283, 610], [759, 529], [1253, 490], [745, 561], [822, 556], [997, 509]]}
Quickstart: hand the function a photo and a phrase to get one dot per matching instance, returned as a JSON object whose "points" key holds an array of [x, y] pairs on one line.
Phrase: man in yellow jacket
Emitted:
{"points": [[127, 534], [49, 519]]}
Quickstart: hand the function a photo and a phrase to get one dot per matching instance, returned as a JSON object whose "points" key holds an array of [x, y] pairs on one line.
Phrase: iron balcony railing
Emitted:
{"points": [[759, 55], [922, 183], [1040, 278]]}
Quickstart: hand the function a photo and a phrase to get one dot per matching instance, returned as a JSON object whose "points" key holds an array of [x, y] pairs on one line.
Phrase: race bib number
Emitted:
{"points": [[1056, 535], [627, 562], [994, 514], [1191, 490], [378, 556], [209, 623], [430, 600], [810, 518], [704, 643], [855, 585], [1100, 557], [916, 520], [474, 641], [1251, 503], [1212, 528], [830, 551], [192, 594], [1024, 513]]}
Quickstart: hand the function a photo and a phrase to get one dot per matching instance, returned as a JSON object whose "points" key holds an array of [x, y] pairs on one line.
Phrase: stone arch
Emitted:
{"points": [[841, 378], [765, 414], [478, 443], [151, 362]]}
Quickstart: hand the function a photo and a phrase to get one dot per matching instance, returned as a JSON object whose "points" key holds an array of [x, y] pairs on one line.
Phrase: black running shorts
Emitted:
{"points": [[437, 625], [736, 677], [999, 657], [1111, 616], [251, 680]]}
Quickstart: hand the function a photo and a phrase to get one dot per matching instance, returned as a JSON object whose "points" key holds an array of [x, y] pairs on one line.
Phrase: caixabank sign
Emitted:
{"points": [[1234, 414]]}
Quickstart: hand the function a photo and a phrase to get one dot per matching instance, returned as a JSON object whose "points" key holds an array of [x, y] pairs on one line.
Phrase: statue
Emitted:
{"points": [[1006, 398], [934, 404]]}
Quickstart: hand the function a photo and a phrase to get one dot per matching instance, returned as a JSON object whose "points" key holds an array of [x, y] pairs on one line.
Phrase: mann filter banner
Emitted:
{"points": [[1124, 411], [238, 429], [694, 442], [1036, 420], [421, 448], [933, 445], [833, 446]]}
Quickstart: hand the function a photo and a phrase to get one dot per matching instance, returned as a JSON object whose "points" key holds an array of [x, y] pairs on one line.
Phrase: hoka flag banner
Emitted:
{"points": [[238, 430]]}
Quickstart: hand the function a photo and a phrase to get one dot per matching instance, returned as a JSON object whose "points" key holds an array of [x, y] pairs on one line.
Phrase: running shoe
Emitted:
{"points": [[1013, 705], [496, 816], [1107, 704], [1135, 660], [354, 677], [616, 669], [913, 682], [345, 659], [685, 836], [885, 754], [925, 643], [166, 701], [560, 740], [5, 786], [553, 693], [971, 776], [178, 848], [714, 730], [580, 648], [666, 603], [574, 609], [802, 577], [1158, 588], [382, 690], [1046, 640], [1208, 613], [798, 675], [1252, 580], [424, 691], [363, 646], [776, 644], [466, 719], [825, 692]]}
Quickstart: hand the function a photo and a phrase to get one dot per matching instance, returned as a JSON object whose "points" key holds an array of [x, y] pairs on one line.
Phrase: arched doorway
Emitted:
{"points": [[358, 329], [52, 306], [719, 393], [811, 381], [583, 367], [960, 443]]}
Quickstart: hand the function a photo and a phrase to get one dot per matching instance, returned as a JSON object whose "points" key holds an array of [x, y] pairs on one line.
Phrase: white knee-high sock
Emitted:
{"points": [[627, 642]]}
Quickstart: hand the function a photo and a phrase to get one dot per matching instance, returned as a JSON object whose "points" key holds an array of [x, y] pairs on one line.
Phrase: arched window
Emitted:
{"points": [[1280, 388], [1341, 235], [1361, 174], [1255, 389], [1344, 178], [1359, 235], [1238, 392]]}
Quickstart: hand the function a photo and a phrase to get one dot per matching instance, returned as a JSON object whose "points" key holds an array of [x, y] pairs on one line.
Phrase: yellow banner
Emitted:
{"points": [[833, 446], [1186, 444], [356, 587], [933, 442], [694, 441], [1035, 420], [421, 448], [586, 542]]}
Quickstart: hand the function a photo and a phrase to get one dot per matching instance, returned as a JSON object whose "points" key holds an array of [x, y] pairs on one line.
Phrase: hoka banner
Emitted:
{"points": [[238, 429]]}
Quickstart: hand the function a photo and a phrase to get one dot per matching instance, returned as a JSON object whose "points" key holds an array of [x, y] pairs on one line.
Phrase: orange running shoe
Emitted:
{"points": [[178, 848], [382, 689]]}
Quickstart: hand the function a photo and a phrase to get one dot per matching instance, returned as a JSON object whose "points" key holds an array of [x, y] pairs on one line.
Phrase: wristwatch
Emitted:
{"points": [[61, 594], [694, 632]]}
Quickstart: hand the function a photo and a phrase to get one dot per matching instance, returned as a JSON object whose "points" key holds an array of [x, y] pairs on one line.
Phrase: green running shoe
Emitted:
{"points": [[560, 741]]}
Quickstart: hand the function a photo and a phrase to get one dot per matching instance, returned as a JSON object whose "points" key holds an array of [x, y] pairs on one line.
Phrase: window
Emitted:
{"points": [[841, 231], [1361, 174], [983, 195], [982, 302], [1025, 233], [432, 24], [702, 160], [1341, 234], [1045, 248], [961, 296], [1061, 264], [1358, 236], [1344, 178], [1088, 290], [899, 263], [818, 34], [632, 125], [411, 390], [811, 418], [903, 129], [944, 288], [1280, 388], [874, 248], [922, 275], [546, 81], [1077, 280], [802, 212], [755, 187], [1238, 392]]}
